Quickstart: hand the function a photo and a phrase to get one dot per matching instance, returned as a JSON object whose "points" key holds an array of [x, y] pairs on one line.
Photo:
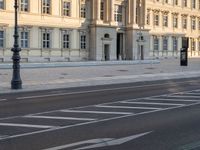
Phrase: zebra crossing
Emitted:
{"points": [[46, 121]]}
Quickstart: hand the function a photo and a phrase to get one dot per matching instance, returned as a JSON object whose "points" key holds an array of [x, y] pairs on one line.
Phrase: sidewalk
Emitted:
{"points": [[74, 74]]}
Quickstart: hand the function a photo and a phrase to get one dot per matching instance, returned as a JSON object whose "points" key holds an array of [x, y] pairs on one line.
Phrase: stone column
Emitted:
{"points": [[98, 9], [112, 19]]}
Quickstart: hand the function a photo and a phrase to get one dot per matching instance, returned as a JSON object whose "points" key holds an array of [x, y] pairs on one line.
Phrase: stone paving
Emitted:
{"points": [[36, 77]]}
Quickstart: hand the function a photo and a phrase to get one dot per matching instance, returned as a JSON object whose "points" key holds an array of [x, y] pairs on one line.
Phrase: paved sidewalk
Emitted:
{"points": [[73, 74]]}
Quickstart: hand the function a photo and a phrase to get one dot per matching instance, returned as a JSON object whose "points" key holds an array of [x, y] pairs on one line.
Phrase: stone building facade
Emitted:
{"points": [[81, 30]]}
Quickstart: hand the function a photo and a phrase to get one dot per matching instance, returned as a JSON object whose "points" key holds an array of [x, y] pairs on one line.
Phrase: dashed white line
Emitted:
{"points": [[149, 103], [168, 99], [26, 125], [126, 107], [96, 112], [60, 118]]}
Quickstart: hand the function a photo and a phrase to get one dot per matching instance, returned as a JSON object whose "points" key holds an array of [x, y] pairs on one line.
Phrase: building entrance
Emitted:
{"points": [[106, 52], [119, 46]]}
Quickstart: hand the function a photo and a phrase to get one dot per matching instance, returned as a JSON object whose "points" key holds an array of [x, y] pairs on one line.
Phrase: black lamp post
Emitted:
{"points": [[16, 82]]}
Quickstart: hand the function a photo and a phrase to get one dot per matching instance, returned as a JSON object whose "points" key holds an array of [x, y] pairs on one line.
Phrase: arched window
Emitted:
{"points": [[106, 35]]}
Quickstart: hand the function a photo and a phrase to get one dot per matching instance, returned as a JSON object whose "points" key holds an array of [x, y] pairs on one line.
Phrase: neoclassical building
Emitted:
{"points": [[81, 30]]}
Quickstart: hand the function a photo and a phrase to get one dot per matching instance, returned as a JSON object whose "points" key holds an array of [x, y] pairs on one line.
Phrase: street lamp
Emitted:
{"points": [[16, 82]]}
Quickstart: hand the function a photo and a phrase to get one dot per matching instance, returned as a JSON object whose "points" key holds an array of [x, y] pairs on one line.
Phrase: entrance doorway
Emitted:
{"points": [[119, 46], [106, 52]]}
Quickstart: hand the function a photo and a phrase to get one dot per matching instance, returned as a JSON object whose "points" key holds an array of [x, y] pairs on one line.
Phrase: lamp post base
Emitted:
{"points": [[16, 85]]}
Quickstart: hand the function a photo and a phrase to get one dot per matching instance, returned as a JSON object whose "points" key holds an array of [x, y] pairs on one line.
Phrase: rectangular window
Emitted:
{"points": [[148, 18], [66, 40], [165, 20], [118, 13], [46, 38], [66, 8], [1, 4], [46, 6], [193, 4], [156, 43], [184, 3], [175, 21], [193, 24], [1, 39], [165, 43], [156, 19], [24, 5], [193, 44], [83, 11], [184, 23], [102, 10], [24, 39], [83, 41], [175, 44]]}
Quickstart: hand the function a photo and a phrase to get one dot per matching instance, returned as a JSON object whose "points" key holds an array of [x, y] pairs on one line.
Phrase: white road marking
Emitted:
{"points": [[3, 136], [93, 141], [183, 96], [149, 103], [96, 112], [97, 143], [197, 94], [96, 121], [26, 125], [91, 91], [3, 99], [168, 99], [114, 142], [60, 118], [125, 107]]}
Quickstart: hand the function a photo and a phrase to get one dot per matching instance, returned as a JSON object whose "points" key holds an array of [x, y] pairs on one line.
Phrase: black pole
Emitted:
{"points": [[16, 82]]}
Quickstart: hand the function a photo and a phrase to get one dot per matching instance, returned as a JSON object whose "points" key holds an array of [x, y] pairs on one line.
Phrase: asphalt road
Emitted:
{"points": [[161, 115]]}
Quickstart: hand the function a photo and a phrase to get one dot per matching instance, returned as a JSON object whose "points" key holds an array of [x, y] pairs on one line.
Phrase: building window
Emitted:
{"points": [[102, 10], [83, 41], [1, 39], [175, 43], [24, 5], [118, 13], [184, 3], [46, 40], [24, 39], [165, 43], [46, 6], [1, 4], [66, 40], [175, 21], [175, 2], [193, 44], [193, 23], [66, 8], [193, 4], [165, 20], [148, 18], [83, 11], [184, 22], [156, 43], [156, 19]]}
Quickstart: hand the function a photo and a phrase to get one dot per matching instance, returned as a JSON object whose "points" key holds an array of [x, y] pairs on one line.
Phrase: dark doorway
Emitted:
{"points": [[119, 45], [106, 52]]}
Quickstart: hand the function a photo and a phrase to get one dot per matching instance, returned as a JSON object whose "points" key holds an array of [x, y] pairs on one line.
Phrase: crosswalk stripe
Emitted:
{"points": [[126, 107], [168, 99], [146, 103], [96, 112], [61, 118], [26, 125]]}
